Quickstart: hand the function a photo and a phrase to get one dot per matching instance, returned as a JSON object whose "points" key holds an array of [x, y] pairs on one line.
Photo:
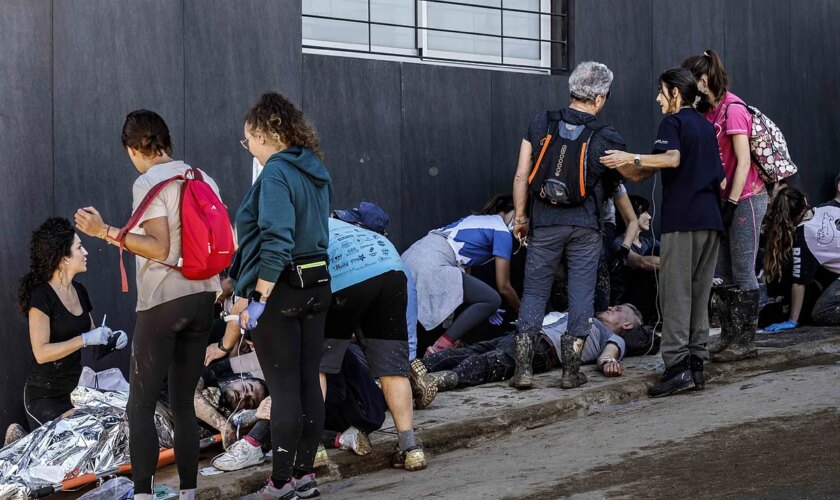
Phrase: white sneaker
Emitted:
{"points": [[356, 440], [239, 456]]}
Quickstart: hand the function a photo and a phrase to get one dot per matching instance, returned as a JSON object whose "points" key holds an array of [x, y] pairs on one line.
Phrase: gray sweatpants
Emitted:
{"points": [[739, 246], [582, 247], [688, 267]]}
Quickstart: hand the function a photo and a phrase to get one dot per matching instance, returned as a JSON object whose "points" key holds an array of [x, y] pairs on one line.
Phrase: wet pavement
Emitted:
{"points": [[770, 434]]}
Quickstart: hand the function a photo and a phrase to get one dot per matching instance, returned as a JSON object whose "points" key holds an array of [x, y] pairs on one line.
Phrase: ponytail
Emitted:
{"points": [[710, 64]]}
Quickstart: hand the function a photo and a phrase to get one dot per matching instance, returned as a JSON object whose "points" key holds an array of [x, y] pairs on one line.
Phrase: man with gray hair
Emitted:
{"points": [[559, 168]]}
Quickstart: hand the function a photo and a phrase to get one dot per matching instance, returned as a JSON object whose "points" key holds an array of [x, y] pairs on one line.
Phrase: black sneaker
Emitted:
{"points": [[306, 486], [675, 379], [696, 365]]}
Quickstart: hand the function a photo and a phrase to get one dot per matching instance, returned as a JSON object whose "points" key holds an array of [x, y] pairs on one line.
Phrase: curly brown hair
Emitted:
{"points": [[281, 121], [52, 241], [785, 213]]}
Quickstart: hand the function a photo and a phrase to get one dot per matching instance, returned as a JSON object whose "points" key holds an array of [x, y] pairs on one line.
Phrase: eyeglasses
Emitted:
{"points": [[244, 142]]}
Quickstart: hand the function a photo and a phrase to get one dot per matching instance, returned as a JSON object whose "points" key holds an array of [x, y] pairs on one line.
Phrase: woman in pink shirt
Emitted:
{"points": [[744, 202]]}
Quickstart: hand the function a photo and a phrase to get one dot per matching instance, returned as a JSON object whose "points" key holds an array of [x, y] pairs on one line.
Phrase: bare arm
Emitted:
{"points": [[625, 208], [643, 263], [797, 297], [39, 337], [608, 361], [624, 163], [520, 189], [152, 245], [503, 284], [741, 144]]}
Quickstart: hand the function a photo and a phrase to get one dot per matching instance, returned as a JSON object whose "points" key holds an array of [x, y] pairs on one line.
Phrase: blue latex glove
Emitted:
{"points": [[778, 327], [122, 339], [97, 336], [255, 309], [496, 319]]}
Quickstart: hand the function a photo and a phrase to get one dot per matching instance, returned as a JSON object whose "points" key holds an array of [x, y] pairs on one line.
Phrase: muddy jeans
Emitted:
{"points": [[827, 309], [582, 247], [489, 361], [687, 270], [739, 245]]}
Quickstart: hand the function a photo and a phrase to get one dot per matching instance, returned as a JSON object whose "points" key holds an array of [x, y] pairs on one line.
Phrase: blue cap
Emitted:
{"points": [[368, 215]]}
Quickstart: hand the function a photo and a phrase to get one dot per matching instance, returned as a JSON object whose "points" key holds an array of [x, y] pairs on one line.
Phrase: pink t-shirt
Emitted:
{"points": [[736, 121]]}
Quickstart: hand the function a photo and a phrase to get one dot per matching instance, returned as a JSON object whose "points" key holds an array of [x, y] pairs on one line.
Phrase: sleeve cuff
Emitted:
{"points": [[269, 274]]}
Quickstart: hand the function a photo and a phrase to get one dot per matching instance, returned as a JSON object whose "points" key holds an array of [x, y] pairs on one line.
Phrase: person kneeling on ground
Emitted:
{"points": [[494, 360], [370, 300]]}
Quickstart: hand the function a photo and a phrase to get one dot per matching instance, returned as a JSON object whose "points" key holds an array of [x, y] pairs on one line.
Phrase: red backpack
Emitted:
{"points": [[206, 236]]}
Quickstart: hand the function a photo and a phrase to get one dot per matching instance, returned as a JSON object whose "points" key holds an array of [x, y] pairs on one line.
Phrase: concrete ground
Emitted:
{"points": [[494, 442], [466, 418]]}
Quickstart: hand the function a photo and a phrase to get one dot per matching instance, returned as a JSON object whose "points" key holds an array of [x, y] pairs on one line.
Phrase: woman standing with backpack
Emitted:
{"points": [[744, 203], [174, 313], [281, 268]]}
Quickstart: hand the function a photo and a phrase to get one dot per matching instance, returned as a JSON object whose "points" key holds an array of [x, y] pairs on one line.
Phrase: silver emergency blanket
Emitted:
{"points": [[93, 437]]}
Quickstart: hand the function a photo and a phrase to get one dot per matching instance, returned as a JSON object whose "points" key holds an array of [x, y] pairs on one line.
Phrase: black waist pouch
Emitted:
{"points": [[308, 273]]}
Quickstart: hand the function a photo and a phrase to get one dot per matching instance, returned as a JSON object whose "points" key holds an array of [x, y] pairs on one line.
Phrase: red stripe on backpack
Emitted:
{"points": [[206, 236]]}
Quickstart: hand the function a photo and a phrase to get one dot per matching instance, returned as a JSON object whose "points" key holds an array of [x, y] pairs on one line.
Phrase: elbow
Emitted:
{"points": [[41, 358], [160, 253]]}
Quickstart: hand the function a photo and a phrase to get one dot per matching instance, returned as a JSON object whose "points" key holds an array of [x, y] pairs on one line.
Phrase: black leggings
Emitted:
{"points": [[43, 405], [169, 340], [288, 339]]}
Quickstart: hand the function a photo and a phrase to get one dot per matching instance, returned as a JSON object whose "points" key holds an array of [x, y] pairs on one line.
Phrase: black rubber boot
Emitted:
{"points": [[570, 349], [723, 298], [675, 379], [444, 380], [745, 322], [523, 354], [696, 365]]}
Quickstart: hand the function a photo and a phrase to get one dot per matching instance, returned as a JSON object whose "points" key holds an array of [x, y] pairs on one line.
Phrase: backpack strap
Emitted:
{"points": [[554, 118], [138, 213], [726, 110]]}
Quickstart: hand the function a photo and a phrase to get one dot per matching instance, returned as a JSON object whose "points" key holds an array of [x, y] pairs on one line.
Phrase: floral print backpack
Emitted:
{"points": [[768, 147]]}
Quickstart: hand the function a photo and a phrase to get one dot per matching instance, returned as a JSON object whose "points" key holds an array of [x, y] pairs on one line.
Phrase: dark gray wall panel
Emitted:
{"points": [[110, 58], [234, 51], [618, 34], [682, 28], [445, 145], [26, 193], [814, 130], [359, 128], [516, 98]]}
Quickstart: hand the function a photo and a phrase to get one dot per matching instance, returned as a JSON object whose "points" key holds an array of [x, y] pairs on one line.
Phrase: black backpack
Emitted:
{"points": [[561, 177]]}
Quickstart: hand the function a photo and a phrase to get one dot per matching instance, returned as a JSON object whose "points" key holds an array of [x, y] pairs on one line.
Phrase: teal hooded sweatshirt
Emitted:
{"points": [[284, 217]]}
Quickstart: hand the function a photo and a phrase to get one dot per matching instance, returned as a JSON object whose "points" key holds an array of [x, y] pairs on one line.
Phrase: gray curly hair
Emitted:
{"points": [[590, 79]]}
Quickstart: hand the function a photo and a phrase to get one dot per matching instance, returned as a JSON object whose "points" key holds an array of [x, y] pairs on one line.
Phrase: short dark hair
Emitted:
{"points": [[146, 132], [682, 80], [639, 203]]}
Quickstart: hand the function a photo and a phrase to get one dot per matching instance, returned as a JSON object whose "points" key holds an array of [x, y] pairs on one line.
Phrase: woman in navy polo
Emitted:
{"points": [[686, 151]]}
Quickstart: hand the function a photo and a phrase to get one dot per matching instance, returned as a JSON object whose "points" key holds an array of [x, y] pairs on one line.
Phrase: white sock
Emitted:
{"points": [[187, 494], [143, 496]]}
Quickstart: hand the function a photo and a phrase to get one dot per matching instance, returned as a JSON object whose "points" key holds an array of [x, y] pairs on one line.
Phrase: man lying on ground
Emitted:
{"points": [[493, 360]]}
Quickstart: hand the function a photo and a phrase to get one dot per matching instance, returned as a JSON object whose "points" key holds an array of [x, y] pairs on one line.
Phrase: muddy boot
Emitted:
{"points": [[722, 300], [423, 389], [570, 348], [675, 379], [696, 365], [444, 380], [745, 322], [523, 354]]}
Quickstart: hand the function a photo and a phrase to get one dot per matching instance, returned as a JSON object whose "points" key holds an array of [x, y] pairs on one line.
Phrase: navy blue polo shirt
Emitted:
{"points": [[690, 192]]}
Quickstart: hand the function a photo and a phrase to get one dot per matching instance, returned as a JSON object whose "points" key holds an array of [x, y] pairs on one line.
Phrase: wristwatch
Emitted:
{"points": [[637, 160], [221, 346], [258, 297]]}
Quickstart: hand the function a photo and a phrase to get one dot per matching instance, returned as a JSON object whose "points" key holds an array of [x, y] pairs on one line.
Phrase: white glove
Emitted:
{"points": [[97, 336], [122, 339]]}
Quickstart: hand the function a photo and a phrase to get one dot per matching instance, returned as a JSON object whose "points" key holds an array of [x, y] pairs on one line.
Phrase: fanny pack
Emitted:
{"points": [[308, 273]]}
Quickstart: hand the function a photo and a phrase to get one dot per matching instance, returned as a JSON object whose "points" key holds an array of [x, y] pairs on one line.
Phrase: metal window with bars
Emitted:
{"points": [[516, 34]]}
